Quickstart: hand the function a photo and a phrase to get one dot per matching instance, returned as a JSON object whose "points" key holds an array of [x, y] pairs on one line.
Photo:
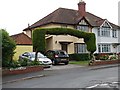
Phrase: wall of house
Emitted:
{"points": [[119, 40], [106, 40], [66, 38], [20, 49], [28, 32], [49, 43]]}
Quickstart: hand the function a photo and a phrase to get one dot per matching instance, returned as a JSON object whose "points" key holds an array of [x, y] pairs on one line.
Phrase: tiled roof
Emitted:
{"points": [[22, 39], [69, 16]]}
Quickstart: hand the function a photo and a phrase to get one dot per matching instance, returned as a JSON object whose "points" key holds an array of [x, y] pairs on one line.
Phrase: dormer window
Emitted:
{"points": [[104, 30], [83, 26]]}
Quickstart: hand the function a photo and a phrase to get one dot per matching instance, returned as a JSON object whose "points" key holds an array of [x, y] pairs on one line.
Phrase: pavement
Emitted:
{"points": [[15, 78]]}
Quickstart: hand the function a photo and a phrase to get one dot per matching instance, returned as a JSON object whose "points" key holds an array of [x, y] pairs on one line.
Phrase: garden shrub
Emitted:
{"points": [[24, 62], [8, 47], [79, 57], [105, 56], [14, 64], [39, 43]]}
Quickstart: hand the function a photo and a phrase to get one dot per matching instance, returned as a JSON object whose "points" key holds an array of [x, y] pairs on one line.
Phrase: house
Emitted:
{"points": [[107, 33], [23, 44]]}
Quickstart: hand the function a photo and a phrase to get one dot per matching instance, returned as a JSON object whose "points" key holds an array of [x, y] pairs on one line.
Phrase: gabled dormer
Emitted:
{"points": [[105, 29], [84, 25]]}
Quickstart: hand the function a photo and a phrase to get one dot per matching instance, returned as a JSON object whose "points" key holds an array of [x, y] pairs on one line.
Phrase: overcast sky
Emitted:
{"points": [[16, 14]]}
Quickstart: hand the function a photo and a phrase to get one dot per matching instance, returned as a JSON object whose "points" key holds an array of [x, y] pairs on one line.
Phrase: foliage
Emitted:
{"points": [[113, 57], [39, 37], [106, 56], [79, 62], [27, 62], [24, 62], [39, 41], [79, 57], [33, 63], [8, 47], [14, 64]]}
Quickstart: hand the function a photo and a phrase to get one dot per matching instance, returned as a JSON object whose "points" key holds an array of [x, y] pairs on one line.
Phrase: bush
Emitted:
{"points": [[33, 63], [105, 56], [14, 64], [79, 57], [8, 47], [24, 62]]}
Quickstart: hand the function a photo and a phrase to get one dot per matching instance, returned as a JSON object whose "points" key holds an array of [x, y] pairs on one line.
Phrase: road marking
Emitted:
{"points": [[93, 86], [102, 85]]}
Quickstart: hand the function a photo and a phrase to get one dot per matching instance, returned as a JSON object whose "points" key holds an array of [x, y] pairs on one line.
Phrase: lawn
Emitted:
{"points": [[83, 63]]}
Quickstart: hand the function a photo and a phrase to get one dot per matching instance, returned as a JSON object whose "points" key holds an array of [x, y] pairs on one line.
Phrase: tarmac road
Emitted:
{"points": [[77, 77]]}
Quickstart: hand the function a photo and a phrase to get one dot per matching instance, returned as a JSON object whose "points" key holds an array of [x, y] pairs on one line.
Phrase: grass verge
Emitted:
{"points": [[83, 63]]}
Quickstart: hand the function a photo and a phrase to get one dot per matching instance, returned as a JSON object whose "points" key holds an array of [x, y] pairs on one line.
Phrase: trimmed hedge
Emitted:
{"points": [[79, 57], [39, 43]]}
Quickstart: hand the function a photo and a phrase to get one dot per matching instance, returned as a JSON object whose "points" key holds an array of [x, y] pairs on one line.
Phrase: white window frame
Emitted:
{"points": [[80, 48], [114, 33], [105, 29], [83, 26], [104, 48]]}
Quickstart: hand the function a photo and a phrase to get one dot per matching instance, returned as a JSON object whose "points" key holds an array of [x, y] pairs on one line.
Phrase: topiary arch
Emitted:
{"points": [[39, 44]]}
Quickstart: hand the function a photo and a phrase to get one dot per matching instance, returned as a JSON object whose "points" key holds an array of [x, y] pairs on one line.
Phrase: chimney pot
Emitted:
{"points": [[82, 8]]}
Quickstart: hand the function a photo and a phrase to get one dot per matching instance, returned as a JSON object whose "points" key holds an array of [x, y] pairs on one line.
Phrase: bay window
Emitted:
{"points": [[80, 48], [104, 48]]}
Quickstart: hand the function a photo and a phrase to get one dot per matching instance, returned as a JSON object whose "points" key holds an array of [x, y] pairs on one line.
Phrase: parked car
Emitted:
{"points": [[31, 57], [58, 56]]}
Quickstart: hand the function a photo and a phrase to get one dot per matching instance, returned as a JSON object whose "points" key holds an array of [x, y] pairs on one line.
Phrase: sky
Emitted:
{"points": [[16, 14]]}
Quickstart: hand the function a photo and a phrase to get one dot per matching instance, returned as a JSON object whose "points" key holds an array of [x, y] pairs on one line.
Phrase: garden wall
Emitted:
{"points": [[105, 62], [22, 70]]}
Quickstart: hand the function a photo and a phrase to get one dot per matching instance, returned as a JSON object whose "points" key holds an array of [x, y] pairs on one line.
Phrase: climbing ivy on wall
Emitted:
{"points": [[39, 43]]}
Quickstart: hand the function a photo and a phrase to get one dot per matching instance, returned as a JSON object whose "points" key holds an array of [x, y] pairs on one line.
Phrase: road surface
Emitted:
{"points": [[79, 77]]}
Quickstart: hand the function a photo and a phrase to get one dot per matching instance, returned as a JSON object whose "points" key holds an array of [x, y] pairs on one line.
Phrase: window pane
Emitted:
{"points": [[80, 48], [104, 47]]}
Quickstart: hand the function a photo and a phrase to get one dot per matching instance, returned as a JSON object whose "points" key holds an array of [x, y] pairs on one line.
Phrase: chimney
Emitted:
{"points": [[81, 8]]}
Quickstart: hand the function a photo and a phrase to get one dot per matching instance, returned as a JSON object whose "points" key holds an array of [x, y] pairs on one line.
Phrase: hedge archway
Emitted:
{"points": [[39, 44]]}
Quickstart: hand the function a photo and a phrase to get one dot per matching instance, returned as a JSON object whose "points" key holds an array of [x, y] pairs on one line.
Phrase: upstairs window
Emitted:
{"points": [[104, 30], [114, 33], [83, 26]]}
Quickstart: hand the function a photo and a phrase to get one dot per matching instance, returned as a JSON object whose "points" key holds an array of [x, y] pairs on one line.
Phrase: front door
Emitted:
{"points": [[64, 47]]}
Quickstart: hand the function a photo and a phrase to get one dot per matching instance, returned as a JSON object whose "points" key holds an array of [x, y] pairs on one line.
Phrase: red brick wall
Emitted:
{"points": [[22, 71], [106, 62]]}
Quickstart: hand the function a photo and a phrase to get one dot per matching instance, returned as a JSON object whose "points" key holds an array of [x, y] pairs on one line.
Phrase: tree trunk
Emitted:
{"points": [[36, 55]]}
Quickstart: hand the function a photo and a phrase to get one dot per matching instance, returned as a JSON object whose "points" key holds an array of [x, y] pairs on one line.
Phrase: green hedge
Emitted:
{"points": [[79, 57], [39, 43]]}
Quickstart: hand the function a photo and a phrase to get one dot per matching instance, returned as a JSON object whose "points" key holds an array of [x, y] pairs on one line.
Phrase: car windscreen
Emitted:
{"points": [[39, 55], [62, 53]]}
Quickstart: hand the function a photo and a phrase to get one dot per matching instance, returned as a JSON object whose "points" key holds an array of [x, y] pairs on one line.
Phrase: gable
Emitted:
{"points": [[83, 22], [106, 24]]}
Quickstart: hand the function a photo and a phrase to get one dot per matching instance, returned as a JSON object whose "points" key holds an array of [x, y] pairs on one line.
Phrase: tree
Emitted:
{"points": [[8, 47]]}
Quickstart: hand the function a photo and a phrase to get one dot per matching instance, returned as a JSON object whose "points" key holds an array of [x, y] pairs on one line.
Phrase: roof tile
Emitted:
{"points": [[22, 39]]}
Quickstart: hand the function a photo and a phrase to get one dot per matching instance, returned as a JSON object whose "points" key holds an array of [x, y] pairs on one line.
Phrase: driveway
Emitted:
{"points": [[62, 66]]}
